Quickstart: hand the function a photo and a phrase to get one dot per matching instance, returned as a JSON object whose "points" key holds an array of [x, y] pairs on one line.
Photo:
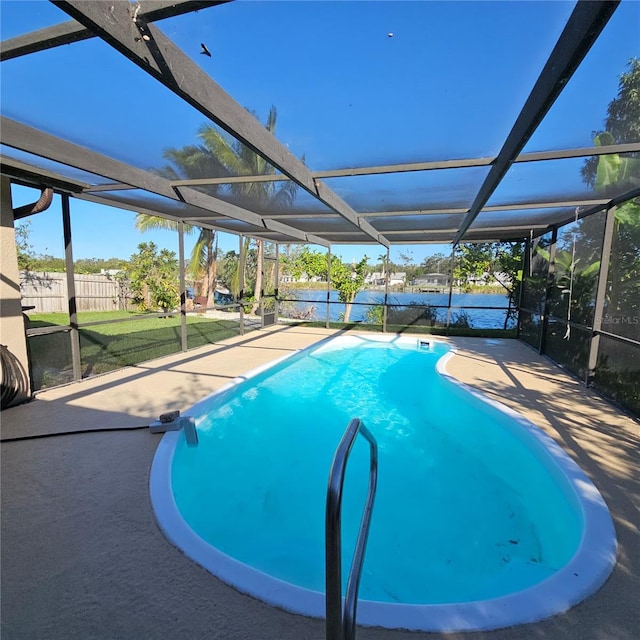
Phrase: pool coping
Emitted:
{"points": [[583, 575]]}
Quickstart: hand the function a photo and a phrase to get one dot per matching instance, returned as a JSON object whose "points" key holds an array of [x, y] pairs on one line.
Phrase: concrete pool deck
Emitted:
{"points": [[82, 555]]}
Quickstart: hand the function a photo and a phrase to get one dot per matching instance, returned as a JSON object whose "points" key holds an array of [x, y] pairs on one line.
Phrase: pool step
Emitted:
{"points": [[173, 421]]}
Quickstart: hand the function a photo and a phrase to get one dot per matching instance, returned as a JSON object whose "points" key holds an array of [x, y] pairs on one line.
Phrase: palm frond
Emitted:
{"points": [[221, 150], [145, 222], [202, 252], [218, 154], [167, 172]]}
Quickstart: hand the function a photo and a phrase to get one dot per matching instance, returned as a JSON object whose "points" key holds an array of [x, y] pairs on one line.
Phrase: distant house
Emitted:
{"points": [[431, 281], [287, 278], [489, 279], [378, 279]]}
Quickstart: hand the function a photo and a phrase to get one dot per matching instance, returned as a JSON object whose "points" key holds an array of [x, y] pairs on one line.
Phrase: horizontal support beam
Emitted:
{"points": [[111, 186], [35, 176], [452, 230], [89, 197], [582, 152], [97, 199], [343, 173], [25, 138], [444, 235], [599, 206], [561, 154], [48, 38], [20, 136], [72, 31], [332, 200], [144, 44], [582, 29], [516, 206]]}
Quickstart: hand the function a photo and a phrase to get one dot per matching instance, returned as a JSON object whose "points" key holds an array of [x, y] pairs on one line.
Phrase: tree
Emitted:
{"points": [[221, 155], [302, 261], [347, 280], [26, 257], [621, 125], [437, 263], [384, 264], [578, 252], [228, 270], [611, 175], [153, 277], [236, 159], [409, 266], [202, 262], [500, 261], [98, 265]]}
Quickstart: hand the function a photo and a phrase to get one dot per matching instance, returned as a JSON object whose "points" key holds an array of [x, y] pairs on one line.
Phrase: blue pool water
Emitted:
{"points": [[470, 505]]}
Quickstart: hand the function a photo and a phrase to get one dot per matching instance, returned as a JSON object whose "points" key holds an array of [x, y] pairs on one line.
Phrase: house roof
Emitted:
{"points": [[531, 108]]}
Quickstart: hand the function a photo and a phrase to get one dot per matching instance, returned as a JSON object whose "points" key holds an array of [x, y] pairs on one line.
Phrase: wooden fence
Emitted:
{"points": [[47, 292]]}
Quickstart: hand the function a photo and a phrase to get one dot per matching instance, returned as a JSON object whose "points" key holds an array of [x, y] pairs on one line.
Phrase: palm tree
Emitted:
{"points": [[192, 162], [236, 159], [202, 263], [220, 155]]}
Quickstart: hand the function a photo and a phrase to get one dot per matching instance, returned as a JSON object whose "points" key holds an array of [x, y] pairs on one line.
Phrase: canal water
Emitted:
{"points": [[313, 302]]}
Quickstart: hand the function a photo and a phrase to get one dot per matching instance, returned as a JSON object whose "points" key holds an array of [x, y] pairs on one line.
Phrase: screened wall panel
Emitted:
{"points": [[530, 328], [533, 290], [571, 295], [621, 314], [50, 360], [536, 269], [412, 190], [568, 346], [618, 372], [202, 330]]}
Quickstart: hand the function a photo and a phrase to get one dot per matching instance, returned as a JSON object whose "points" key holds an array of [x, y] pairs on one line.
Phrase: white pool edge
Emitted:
{"points": [[585, 573]]}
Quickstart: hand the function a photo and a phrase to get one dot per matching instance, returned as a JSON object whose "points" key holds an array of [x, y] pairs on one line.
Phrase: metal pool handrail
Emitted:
{"points": [[341, 623]]}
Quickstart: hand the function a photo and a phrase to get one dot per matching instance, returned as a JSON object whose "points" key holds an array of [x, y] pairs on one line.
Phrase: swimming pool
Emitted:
{"points": [[480, 520]]}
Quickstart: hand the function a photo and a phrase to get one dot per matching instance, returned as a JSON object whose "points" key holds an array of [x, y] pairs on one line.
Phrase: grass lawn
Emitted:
{"points": [[59, 319], [115, 345]]}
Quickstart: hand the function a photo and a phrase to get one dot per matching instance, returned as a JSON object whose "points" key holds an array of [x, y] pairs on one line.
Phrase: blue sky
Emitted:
{"points": [[448, 84]]}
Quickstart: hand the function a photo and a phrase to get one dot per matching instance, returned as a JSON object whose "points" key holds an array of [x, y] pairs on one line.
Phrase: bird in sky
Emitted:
{"points": [[205, 51]]}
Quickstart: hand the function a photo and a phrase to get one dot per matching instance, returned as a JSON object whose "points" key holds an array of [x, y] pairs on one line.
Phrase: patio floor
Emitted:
{"points": [[82, 556]]}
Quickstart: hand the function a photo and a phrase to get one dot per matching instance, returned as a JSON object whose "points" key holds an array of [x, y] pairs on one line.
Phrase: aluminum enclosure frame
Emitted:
{"points": [[129, 29]]}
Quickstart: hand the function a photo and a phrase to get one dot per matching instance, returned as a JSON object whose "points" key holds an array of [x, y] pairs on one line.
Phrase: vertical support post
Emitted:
{"points": [[261, 271], [550, 276], [328, 316], [276, 276], [241, 261], [451, 266], [71, 289], [526, 252], [183, 288], [605, 260], [386, 293]]}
